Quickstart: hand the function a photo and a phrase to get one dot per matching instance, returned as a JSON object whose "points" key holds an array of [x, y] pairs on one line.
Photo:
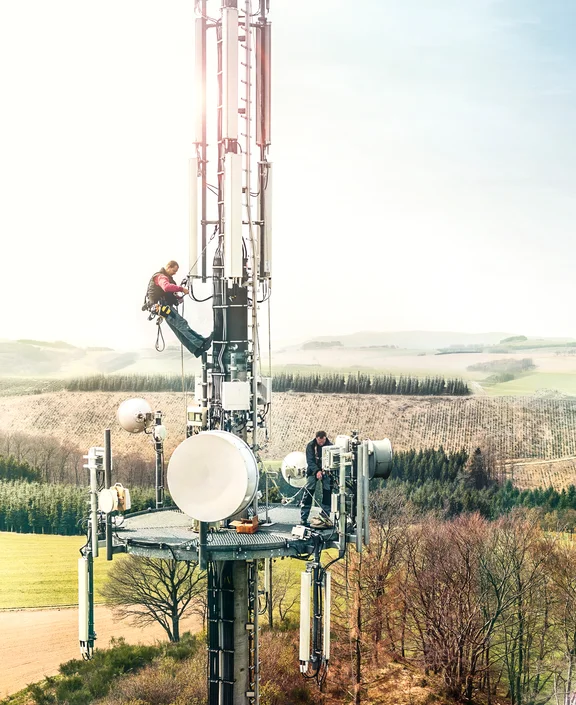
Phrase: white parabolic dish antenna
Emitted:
{"points": [[294, 468], [132, 415], [212, 476]]}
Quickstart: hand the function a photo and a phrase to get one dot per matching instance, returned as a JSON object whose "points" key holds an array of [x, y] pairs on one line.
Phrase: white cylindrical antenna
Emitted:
{"points": [[359, 497], [266, 254], [380, 458], [229, 73], [327, 609], [342, 504], [366, 493], [305, 592], [193, 217], [200, 78], [263, 93], [233, 215], [83, 635]]}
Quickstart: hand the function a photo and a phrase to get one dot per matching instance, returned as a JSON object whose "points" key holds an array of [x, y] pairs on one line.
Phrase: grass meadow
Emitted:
{"points": [[563, 382], [41, 571]]}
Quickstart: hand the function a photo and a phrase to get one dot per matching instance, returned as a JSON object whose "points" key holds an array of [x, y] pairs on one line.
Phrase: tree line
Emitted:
{"points": [[362, 383], [321, 383], [130, 383], [38, 508], [451, 484], [526, 364]]}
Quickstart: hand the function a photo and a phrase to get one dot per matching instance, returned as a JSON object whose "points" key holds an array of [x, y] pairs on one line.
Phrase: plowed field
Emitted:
{"points": [[519, 427]]}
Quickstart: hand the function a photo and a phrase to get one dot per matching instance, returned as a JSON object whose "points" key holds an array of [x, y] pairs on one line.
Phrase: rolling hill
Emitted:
{"points": [[518, 427]]}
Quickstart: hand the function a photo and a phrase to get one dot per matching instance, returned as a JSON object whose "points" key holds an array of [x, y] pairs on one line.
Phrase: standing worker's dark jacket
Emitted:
{"points": [[314, 456], [156, 295]]}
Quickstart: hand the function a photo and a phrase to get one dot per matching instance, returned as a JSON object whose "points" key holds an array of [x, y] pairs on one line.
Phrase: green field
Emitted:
{"points": [[564, 383], [41, 571]]}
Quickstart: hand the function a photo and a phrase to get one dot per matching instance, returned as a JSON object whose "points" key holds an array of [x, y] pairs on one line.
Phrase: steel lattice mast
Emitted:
{"points": [[233, 191]]}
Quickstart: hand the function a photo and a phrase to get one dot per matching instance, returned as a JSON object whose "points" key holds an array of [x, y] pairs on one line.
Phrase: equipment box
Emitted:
{"points": [[245, 526]]}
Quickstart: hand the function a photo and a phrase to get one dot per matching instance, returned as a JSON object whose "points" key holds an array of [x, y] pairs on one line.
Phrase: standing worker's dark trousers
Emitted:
{"points": [[191, 340], [308, 494]]}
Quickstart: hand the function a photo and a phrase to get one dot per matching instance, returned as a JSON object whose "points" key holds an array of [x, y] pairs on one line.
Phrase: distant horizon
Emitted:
{"points": [[297, 340]]}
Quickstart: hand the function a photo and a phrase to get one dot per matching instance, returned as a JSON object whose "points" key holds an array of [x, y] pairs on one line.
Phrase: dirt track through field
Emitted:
{"points": [[33, 643]]}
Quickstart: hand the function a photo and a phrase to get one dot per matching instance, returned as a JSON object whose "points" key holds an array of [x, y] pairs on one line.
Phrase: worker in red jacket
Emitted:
{"points": [[162, 298]]}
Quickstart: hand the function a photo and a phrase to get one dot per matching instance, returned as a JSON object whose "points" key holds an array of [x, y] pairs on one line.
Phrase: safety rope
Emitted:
{"points": [[159, 336]]}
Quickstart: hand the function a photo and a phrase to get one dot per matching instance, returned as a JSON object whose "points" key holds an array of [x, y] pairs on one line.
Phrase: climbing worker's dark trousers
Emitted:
{"points": [[191, 340], [308, 494]]}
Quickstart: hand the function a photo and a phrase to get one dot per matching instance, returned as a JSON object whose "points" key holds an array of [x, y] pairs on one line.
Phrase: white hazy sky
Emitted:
{"points": [[425, 165]]}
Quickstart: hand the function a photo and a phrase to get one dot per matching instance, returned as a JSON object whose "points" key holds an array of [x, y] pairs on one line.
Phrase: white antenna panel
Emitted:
{"points": [[233, 265], [380, 458], [83, 600], [327, 611], [134, 415], [267, 254], [193, 218], [212, 476], [305, 592], [294, 468], [230, 73]]}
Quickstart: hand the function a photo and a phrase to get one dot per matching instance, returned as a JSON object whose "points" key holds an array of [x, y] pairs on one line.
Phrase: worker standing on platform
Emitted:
{"points": [[314, 473], [162, 299]]}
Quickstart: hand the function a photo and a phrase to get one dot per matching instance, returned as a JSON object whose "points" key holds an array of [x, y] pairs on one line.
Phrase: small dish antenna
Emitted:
{"points": [[380, 458], [294, 468], [134, 415], [212, 475]]}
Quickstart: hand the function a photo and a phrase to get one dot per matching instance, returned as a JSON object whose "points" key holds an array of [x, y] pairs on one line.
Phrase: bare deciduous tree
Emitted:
{"points": [[562, 567], [156, 590], [285, 589]]}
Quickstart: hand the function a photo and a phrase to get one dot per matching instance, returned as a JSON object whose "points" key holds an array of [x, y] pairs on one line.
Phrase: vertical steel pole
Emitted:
{"points": [[202, 558], [204, 146], [268, 569], [107, 485]]}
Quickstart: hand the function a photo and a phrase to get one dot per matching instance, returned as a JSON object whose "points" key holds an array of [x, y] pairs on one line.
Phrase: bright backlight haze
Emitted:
{"points": [[424, 155]]}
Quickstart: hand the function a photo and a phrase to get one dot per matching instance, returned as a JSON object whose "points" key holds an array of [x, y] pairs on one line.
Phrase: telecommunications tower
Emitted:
{"points": [[213, 474]]}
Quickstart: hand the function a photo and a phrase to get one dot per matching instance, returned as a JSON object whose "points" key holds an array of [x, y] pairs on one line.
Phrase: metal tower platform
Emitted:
{"points": [[168, 533]]}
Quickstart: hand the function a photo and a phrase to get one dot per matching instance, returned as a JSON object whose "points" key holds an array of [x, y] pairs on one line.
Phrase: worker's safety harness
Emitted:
{"points": [[158, 303]]}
